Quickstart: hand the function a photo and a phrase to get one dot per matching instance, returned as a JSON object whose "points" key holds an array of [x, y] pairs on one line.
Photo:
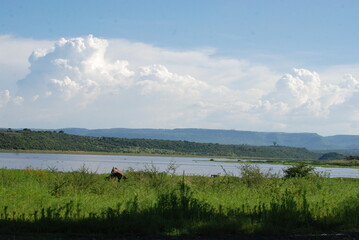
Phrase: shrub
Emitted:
{"points": [[251, 174], [301, 170]]}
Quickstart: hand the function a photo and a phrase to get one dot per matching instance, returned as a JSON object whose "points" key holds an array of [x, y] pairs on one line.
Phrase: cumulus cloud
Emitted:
{"points": [[14, 58], [157, 78], [199, 63], [76, 69], [95, 83], [71, 68], [303, 92], [6, 98]]}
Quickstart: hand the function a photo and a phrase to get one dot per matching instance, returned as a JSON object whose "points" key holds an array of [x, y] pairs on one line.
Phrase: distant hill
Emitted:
{"points": [[59, 141], [311, 141]]}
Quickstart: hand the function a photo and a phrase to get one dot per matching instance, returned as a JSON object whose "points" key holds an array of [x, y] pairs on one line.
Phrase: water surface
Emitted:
{"points": [[104, 164]]}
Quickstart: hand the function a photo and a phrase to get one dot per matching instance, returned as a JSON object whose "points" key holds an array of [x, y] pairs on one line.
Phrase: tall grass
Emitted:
{"points": [[153, 203]]}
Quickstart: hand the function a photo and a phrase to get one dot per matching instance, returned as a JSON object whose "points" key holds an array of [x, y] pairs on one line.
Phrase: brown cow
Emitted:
{"points": [[116, 173]]}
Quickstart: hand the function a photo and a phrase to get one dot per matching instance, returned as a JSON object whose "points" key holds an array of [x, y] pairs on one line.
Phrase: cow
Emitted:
{"points": [[116, 173]]}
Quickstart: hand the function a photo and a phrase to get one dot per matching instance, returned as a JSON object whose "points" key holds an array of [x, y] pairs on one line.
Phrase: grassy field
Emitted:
{"points": [[151, 203]]}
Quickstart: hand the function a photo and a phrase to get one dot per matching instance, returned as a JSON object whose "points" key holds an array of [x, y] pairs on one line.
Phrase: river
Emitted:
{"points": [[104, 164]]}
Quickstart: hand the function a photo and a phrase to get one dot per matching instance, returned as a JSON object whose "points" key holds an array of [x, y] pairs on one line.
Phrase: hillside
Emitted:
{"points": [[311, 141], [50, 140]]}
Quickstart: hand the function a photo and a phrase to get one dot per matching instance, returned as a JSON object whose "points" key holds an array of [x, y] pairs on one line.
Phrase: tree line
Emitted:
{"points": [[27, 139]]}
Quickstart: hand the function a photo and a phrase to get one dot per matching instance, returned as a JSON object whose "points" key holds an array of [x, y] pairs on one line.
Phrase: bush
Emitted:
{"points": [[301, 170], [251, 174]]}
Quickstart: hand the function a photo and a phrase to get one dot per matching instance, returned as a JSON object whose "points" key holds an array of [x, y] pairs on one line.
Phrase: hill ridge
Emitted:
{"points": [[59, 141], [311, 141]]}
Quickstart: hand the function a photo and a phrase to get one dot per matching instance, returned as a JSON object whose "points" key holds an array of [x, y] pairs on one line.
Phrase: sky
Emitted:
{"points": [[274, 66]]}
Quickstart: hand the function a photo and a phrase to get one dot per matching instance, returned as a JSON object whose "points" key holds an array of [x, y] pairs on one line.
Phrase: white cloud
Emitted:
{"points": [[77, 69], [14, 58], [4, 97], [71, 68], [66, 86], [97, 83], [334, 74], [201, 64], [157, 78], [18, 100], [304, 92]]}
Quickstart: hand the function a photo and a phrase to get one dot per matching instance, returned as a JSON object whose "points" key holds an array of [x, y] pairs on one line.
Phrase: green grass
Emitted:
{"points": [[315, 163], [152, 203]]}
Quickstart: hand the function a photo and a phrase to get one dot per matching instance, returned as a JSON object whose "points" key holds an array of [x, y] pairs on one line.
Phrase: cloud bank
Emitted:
{"points": [[304, 93], [97, 83]]}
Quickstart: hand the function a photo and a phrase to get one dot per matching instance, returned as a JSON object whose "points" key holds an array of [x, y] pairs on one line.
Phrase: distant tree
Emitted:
{"points": [[331, 156], [275, 144]]}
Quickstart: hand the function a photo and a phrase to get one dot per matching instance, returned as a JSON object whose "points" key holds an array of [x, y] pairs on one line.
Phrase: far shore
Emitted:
{"points": [[239, 160]]}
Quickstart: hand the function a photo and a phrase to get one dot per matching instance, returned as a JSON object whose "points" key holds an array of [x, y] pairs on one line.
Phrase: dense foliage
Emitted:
{"points": [[300, 170], [352, 157], [331, 156], [150, 203], [46, 140]]}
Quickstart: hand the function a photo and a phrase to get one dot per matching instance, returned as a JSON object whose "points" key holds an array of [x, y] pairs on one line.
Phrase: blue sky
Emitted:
{"points": [[246, 47], [321, 32]]}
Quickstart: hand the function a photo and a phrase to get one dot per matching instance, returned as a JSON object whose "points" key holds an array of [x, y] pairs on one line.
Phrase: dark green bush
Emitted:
{"points": [[331, 156], [301, 170]]}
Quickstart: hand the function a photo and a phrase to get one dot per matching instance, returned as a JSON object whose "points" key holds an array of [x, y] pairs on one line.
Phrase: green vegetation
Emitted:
{"points": [[352, 157], [59, 141], [331, 156], [153, 203], [301, 170], [311, 141], [316, 163]]}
